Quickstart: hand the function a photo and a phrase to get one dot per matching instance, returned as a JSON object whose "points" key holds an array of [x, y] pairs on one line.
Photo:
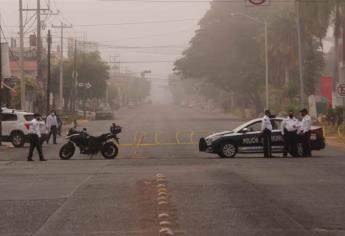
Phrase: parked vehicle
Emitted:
{"points": [[104, 114], [247, 139], [15, 127], [106, 143]]}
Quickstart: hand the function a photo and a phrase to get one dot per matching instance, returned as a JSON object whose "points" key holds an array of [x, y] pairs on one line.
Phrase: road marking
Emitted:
{"points": [[177, 137], [192, 137], [157, 138], [163, 206]]}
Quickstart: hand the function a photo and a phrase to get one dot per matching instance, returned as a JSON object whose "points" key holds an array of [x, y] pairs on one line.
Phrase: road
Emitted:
{"points": [[205, 195]]}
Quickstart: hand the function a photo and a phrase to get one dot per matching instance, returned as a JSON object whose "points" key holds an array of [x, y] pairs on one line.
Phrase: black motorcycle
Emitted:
{"points": [[107, 143]]}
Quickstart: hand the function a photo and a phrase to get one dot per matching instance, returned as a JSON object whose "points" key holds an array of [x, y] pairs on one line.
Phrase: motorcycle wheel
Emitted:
{"points": [[67, 151], [109, 151]]}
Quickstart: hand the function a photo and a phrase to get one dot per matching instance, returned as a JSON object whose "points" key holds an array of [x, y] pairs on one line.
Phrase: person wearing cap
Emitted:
{"points": [[266, 132], [35, 136], [289, 128], [305, 132]]}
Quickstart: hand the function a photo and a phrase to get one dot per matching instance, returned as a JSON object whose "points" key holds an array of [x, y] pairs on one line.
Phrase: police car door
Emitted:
{"points": [[277, 137], [251, 139]]}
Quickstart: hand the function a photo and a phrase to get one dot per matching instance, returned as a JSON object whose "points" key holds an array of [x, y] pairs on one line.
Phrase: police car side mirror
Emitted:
{"points": [[245, 130]]}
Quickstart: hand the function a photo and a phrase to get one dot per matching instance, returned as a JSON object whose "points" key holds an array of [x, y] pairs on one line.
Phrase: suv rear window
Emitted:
{"points": [[28, 117], [8, 117]]}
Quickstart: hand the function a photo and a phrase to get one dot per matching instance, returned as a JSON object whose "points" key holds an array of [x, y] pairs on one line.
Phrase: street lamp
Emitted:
{"points": [[264, 23]]}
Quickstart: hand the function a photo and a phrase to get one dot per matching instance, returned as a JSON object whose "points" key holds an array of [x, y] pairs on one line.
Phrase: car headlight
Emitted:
{"points": [[209, 141]]}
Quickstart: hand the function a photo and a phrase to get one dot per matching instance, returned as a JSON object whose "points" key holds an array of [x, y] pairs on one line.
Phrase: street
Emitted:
{"points": [[247, 195]]}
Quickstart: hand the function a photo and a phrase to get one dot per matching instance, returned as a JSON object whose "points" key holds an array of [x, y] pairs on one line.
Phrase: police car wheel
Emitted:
{"points": [[17, 139], [227, 150]]}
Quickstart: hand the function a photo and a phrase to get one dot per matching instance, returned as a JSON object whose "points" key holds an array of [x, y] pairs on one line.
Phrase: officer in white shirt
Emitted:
{"points": [[266, 132], [52, 126], [305, 132], [289, 128], [35, 136]]}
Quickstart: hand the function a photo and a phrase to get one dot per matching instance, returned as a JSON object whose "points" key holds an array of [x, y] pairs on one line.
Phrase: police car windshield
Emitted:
{"points": [[239, 128]]}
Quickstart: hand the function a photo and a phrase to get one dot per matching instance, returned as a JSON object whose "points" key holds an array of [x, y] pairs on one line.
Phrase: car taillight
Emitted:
{"points": [[319, 132], [27, 125]]}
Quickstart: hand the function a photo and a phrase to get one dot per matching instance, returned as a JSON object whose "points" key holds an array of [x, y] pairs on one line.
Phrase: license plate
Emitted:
{"points": [[313, 137]]}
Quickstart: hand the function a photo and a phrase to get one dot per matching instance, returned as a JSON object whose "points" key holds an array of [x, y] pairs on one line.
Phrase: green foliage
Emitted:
{"points": [[91, 69], [229, 51]]}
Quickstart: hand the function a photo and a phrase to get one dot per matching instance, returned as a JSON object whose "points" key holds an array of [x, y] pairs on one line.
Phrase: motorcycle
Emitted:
{"points": [[107, 143]]}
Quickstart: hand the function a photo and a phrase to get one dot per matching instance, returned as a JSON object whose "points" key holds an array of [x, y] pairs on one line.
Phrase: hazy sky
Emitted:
{"points": [[161, 41]]}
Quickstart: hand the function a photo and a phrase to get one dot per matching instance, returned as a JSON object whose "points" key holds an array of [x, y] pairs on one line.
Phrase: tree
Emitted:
{"points": [[91, 69], [229, 51]]}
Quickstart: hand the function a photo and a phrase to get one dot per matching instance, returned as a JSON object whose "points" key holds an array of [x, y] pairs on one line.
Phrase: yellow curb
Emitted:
{"points": [[161, 186]]}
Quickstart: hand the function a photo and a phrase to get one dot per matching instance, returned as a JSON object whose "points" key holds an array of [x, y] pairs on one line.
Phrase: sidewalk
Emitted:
{"points": [[335, 141]]}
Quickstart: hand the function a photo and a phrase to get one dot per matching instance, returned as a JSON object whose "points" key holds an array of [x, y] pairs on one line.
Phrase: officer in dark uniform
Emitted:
{"points": [[289, 132], [266, 132]]}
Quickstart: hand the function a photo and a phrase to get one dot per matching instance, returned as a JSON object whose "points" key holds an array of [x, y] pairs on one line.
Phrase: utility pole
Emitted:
{"points": [[74, 82], [49, 41], [21, 58], [300, 56], [0, 86], [38, 11], [266, 67], [60, 100]]}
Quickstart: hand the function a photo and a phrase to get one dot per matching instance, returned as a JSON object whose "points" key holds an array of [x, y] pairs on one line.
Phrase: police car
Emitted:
{"points": [[247, 139]]}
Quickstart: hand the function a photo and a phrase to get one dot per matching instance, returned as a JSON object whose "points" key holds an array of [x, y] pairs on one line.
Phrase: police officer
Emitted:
{"points": [[35, 135], [289, 132], [266, 132], [305, 132]]}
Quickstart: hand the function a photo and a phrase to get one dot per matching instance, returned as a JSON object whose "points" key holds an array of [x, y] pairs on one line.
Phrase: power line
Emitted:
{"points": [[132, 23], [12, 53], [140, 62], [208, 1]]}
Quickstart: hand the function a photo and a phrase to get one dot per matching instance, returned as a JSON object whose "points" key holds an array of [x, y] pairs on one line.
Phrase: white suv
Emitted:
{"points": [[15, 127]]}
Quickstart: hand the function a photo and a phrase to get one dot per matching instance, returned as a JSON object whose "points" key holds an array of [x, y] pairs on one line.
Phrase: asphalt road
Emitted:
{"points": [[201, 194]]}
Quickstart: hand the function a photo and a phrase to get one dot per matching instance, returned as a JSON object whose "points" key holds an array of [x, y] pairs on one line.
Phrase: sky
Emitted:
{"points": [[142, 35]]}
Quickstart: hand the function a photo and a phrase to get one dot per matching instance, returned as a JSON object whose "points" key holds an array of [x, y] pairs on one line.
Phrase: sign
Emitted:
{"points": [[326, 88], [341, 90], [257, 2], [86, 85]]}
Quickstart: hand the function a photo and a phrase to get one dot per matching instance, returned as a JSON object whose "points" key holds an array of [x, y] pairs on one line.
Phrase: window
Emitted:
{"points": [[276, 124], [29, 117], [255, 127], [9, 117]]}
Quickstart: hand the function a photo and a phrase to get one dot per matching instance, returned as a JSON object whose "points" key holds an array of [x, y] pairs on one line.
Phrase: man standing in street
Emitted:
{"points": [[266, 132], [289, 132], [52, 126], [305, 132], [35, 136]]}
